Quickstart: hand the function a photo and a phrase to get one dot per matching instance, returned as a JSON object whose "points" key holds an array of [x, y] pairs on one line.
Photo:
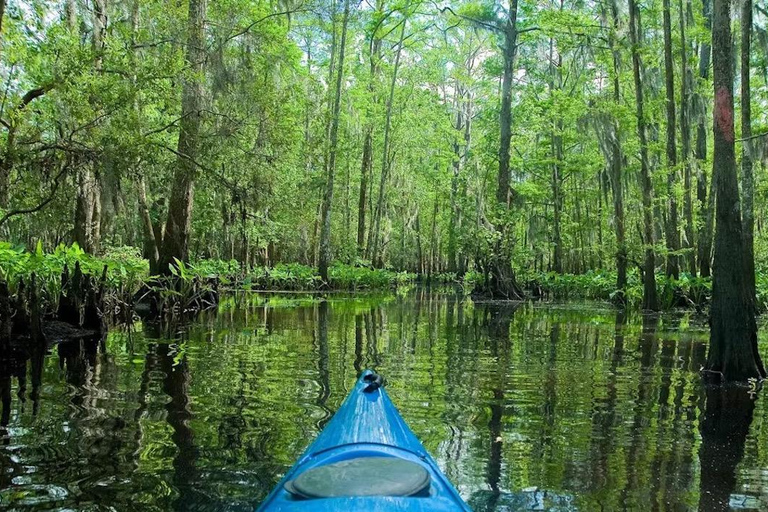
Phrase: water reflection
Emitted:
{"points": [[543, 407], [725, 425]]}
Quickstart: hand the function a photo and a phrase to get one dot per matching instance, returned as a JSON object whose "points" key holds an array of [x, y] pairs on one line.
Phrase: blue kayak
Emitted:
{"points": [[368, 459]]}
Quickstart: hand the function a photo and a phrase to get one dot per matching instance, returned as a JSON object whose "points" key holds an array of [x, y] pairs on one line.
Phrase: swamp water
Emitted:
{"points": [[528, 407]]}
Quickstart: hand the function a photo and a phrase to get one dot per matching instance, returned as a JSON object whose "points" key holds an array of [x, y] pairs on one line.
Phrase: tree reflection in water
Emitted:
{"points": [[724, 428], [557, 407]]}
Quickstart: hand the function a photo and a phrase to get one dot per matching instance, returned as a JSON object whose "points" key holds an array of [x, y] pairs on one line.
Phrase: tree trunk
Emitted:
{"points": [[458, 126], [97, 40], [95, 202], [502, 282], [366, 168], [71, 13], [433, 254], [733, 354], [385, 160], [617, 167], [6, 166], [706, 204], [419, 250], [747, 173], [88, 204], [556, 147], [325, 231], [650, 301], [2, 14], [83, 233], [505, 118], [685, 137], [5, 182], [365, 172], [672, 232], [176, 239], [557, 197], [151, 244]]}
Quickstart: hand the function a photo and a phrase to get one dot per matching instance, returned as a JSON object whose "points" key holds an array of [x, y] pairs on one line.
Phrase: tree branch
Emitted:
{"points": [[247, 29], [28, 98], [755, 136], [482, 23], [40, 206]]}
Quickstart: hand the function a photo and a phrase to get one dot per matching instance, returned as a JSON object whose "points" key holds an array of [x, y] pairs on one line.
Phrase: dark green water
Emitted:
{"points": [[535, 407]]}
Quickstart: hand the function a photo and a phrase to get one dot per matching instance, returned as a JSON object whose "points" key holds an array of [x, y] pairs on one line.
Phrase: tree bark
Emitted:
{"points": [[433, 253], [385, 160], [71, 13], [88, 207], [2, 15], [99, 33], [672, 232], [365, 172], [650, 301], [505, 117], [83, 210], [325, 231], [732, 354], [176, 239], [747, 173], [502, 282], [151, 244], [458, 127], [685, 138], [706, 203], [556, 147], [617, 167], [366, 167]]}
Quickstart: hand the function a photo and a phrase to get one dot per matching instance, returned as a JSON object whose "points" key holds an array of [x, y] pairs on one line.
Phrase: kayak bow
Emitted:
{"points": [[366, 458]]}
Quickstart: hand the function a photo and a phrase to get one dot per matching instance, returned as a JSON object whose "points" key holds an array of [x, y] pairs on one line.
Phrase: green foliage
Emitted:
{"points": [[126, 270], [348, 277], [343, 277], [292, 276], [601, 286]]}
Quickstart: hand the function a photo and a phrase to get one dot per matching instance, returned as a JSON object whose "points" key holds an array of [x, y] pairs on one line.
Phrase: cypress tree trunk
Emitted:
{"points": [[650, 301], [375, 236], [176, 239], [5, 168], [617, 168], [365, 172], [732, 354], [556, 150], [84, 209], [433, 253], [151, 244], [505, 119], [87, 214], [366, 168], [747, 176], [2, 14], [706, 201], [325, 231], [502, 282], [685, 136], [672, 232], [5, 180], [458, 126], [557, 196]]}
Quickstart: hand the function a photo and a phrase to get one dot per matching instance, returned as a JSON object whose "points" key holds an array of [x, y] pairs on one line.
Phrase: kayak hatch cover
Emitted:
{"points": [[368, 459]]}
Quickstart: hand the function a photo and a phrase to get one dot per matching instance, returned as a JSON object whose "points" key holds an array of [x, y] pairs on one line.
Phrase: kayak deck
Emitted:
{"points": [[367, 425]]}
